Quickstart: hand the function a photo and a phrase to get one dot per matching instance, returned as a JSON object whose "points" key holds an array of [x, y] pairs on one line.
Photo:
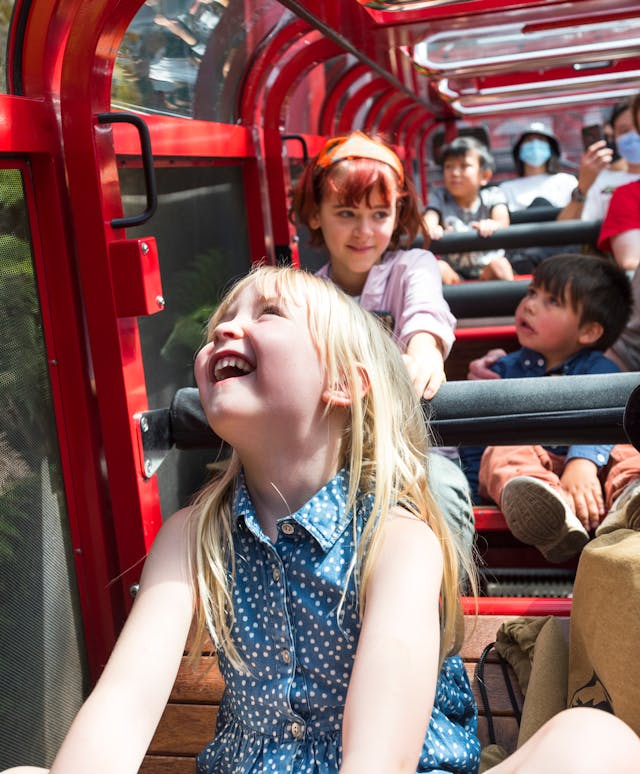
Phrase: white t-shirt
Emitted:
{"points": [[599, 195], [521, 191]]}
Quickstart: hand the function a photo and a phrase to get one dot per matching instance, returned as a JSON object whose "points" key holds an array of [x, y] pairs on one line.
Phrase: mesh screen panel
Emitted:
{"points": [[42, 674]]}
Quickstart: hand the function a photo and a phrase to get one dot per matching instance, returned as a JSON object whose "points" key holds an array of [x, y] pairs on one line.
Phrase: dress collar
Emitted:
{"points": [[324, 516]]}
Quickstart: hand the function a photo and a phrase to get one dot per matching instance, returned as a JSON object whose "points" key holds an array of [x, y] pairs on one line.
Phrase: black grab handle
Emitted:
{"points": [[603, 408], [583, 409], [490, 298], [303, 143], [559, 232], [575, 409], [147, 165]]}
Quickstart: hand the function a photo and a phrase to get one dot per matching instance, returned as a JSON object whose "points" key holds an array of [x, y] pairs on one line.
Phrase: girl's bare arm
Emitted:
{"points": [[394, 677], [113, 729], [626, 249]]}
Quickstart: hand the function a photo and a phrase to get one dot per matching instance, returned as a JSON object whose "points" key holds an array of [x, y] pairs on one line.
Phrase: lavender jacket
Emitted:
{"points": [[407, 283]]}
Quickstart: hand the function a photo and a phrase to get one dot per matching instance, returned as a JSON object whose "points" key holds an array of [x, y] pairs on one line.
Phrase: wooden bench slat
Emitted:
{"points": [[506, 731], [188, 723], [499, 702], [479, 632], [163, 764], [207, 649], [184, 729], [201, 684]]}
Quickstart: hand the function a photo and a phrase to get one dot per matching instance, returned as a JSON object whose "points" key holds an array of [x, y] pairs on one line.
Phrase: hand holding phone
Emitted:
{"points": [[591, 134]]}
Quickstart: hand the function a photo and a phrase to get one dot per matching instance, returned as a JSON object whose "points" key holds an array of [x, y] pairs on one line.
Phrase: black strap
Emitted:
{"points": [[484, 696]]}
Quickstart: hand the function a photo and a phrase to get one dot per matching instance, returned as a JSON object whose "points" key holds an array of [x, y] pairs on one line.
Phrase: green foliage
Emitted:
{"points": [[193, 296], [202, 281], [23, 377], [126, 85], [13, 219], [10, 193], [16, 503], [6, 9], [26, 416], [187, 335]]}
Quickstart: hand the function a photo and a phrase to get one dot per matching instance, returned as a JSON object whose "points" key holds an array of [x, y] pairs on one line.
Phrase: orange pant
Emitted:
{"points": [[500, 464]]}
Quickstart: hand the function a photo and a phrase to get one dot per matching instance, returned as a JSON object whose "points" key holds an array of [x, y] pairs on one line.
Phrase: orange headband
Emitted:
{"points": [[358, 146]]}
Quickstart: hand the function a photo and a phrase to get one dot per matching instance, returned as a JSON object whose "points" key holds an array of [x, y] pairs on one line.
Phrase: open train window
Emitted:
{"points": [[187, 59], [201, 232]]}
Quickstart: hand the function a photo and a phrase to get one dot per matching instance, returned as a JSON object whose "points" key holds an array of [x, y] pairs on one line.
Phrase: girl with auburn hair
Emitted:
{"points": [[358, 203]]}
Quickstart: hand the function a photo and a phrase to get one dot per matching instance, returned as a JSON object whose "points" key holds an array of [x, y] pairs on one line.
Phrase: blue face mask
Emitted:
{"points": [[535, 152], [628, 145]]}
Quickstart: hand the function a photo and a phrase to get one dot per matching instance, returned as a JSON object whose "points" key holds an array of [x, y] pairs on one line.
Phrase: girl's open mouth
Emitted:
{"points": [[228, 367]]}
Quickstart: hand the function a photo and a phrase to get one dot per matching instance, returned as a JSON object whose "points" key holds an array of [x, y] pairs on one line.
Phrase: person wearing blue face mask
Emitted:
{"points": [[629, 147], [536, 155], [540, 183], [620, 232], [597, 180], [535, 151]]}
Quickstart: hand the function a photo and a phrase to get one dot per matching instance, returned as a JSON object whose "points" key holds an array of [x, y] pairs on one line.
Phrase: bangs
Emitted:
{"points": [[271, 285], [294, 287], [356, 180], [558, 279]]}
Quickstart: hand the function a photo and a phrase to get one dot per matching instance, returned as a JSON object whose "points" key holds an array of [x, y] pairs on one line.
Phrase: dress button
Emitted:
{"points": [[297, 730], [286, 656], [288, 528], [276, 574]]}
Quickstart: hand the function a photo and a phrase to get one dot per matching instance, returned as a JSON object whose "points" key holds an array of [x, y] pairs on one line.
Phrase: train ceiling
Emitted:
{"points": [[481, 56]]}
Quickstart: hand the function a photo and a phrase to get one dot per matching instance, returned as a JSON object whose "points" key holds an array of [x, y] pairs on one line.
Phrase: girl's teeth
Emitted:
{"points": [[231, 362]]}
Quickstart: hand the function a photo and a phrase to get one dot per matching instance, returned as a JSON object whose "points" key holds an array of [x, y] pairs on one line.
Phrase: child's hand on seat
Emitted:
{"points": [[581, 484], [448, 274], [434, 230], [479, 368], [426, 372], [486, 227]]}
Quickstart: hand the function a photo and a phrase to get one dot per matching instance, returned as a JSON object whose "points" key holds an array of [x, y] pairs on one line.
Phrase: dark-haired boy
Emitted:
{"points": [[575, 308], [464, 204]]}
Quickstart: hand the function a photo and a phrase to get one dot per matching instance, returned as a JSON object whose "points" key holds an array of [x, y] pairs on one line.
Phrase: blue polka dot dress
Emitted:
{"points": [[299, 642]]}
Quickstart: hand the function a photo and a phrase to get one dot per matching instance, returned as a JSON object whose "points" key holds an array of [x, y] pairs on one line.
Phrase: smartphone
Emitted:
{"points": [[591, 134]]}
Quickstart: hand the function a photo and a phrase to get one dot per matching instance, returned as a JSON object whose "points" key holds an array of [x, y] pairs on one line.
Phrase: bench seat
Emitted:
{"points": [[188, 722]]}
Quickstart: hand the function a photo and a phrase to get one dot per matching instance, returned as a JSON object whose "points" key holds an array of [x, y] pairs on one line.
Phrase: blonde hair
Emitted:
{"points": [[384, 448]]}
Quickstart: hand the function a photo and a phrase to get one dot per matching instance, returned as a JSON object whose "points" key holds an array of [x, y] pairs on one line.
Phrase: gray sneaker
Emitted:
{"points": [[538, 516], [624, 512]]}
